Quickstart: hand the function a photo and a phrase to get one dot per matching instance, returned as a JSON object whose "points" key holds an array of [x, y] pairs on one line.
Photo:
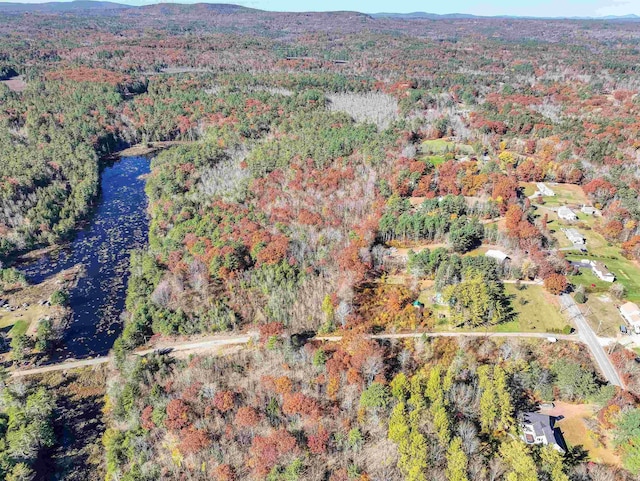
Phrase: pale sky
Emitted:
{"points": [[539, 8]]}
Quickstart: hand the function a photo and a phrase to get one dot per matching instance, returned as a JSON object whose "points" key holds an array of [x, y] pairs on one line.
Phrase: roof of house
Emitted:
{"points": [[544, 425], [602, 268], [629, 308], [565, 211], [573, 234], [496, 254]]}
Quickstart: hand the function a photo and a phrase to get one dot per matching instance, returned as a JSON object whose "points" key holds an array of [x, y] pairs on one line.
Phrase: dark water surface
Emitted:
{"points": [[118, 225]]}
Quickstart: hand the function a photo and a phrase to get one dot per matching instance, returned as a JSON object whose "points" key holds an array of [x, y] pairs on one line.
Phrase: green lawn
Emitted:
{"points": [[434, 160], [437, 146], [529, 188], [19, 328], [595, 242], [564, 194], [539, 313], [626, 272]]}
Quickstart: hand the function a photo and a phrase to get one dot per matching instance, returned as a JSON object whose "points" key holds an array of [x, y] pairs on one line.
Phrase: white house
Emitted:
{"points": [[500, 256], [543, 190], [600, 270], [574, 236], [587, 209], [631, 313], [539, 428], [565, 213]]}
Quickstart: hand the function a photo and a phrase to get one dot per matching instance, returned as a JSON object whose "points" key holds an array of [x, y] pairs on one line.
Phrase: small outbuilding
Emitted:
{"points": [[499, 256], [587, 209]]}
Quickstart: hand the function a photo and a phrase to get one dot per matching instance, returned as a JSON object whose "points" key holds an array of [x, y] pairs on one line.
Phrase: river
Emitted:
{"points": [[118, 224]]}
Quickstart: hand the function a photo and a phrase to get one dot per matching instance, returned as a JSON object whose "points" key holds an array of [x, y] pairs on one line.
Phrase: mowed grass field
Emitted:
{"points": [[626, 272], [564, 194], [540, 312]]}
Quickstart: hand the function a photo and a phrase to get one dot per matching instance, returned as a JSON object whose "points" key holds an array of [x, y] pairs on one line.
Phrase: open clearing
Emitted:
{"points": [[575, 428], [15, 84], [540, 311], [375, 107], [24, 320], [602, 314], [565, 194], [626, 272]]}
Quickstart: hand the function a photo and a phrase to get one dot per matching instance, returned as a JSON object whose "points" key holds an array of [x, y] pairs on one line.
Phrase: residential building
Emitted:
{"points": [[541, 429], [587, 209], [574, 236], [600, 270], [631, 313], [565, 213], [500, 256], [543, 190]]}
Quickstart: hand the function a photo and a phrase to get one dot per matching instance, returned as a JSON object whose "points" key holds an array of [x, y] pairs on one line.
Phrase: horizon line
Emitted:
{"points": [[142, 3]]}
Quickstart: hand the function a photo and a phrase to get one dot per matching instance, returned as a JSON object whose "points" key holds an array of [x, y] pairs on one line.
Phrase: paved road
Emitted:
{"points": [[589, 338], [221, 341]]}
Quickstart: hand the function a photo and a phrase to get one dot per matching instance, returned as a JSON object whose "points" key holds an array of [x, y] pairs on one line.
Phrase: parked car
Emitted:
{"points": [[623, 329]]}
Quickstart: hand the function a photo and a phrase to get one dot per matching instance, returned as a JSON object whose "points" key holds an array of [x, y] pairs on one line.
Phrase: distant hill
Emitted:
{"points": [[422, 15], [96, 7], [62, 7], [435, 16], [100, 6], [177, 8]]}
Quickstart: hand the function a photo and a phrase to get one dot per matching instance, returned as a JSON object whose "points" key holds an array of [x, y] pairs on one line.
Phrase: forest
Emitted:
{"points": [[393, 211]]}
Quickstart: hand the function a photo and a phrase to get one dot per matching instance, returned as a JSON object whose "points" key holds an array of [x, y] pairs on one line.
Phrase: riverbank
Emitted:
{"points": [[102, 247], [25, 307], [148, 148]]}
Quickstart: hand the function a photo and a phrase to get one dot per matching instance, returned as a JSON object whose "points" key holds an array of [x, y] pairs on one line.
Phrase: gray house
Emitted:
{"points": [[541, 429]]}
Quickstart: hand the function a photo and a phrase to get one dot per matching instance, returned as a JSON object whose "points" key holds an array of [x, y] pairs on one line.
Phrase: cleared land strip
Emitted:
{"points": [[208, 344]]}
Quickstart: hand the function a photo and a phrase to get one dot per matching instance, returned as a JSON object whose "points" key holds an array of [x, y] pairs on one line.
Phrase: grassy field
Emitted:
{"points": [[437, 146], [564, 194], [626, 272], [539, 313], [19, 328], [600, 307]]}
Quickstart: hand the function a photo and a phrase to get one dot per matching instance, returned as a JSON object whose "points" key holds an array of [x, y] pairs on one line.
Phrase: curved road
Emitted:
{"points": [[222, 341]]}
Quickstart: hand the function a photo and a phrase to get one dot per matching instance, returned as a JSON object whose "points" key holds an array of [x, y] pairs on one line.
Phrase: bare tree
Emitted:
{"points": [[162, 293], [375, 107]]}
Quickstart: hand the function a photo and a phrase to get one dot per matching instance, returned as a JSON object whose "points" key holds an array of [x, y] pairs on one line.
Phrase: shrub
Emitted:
{"points": [[580, 297], [59, 298]]}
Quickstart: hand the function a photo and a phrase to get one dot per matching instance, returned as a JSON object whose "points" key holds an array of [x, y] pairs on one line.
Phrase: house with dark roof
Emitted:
{"points": [[541, 429]]}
